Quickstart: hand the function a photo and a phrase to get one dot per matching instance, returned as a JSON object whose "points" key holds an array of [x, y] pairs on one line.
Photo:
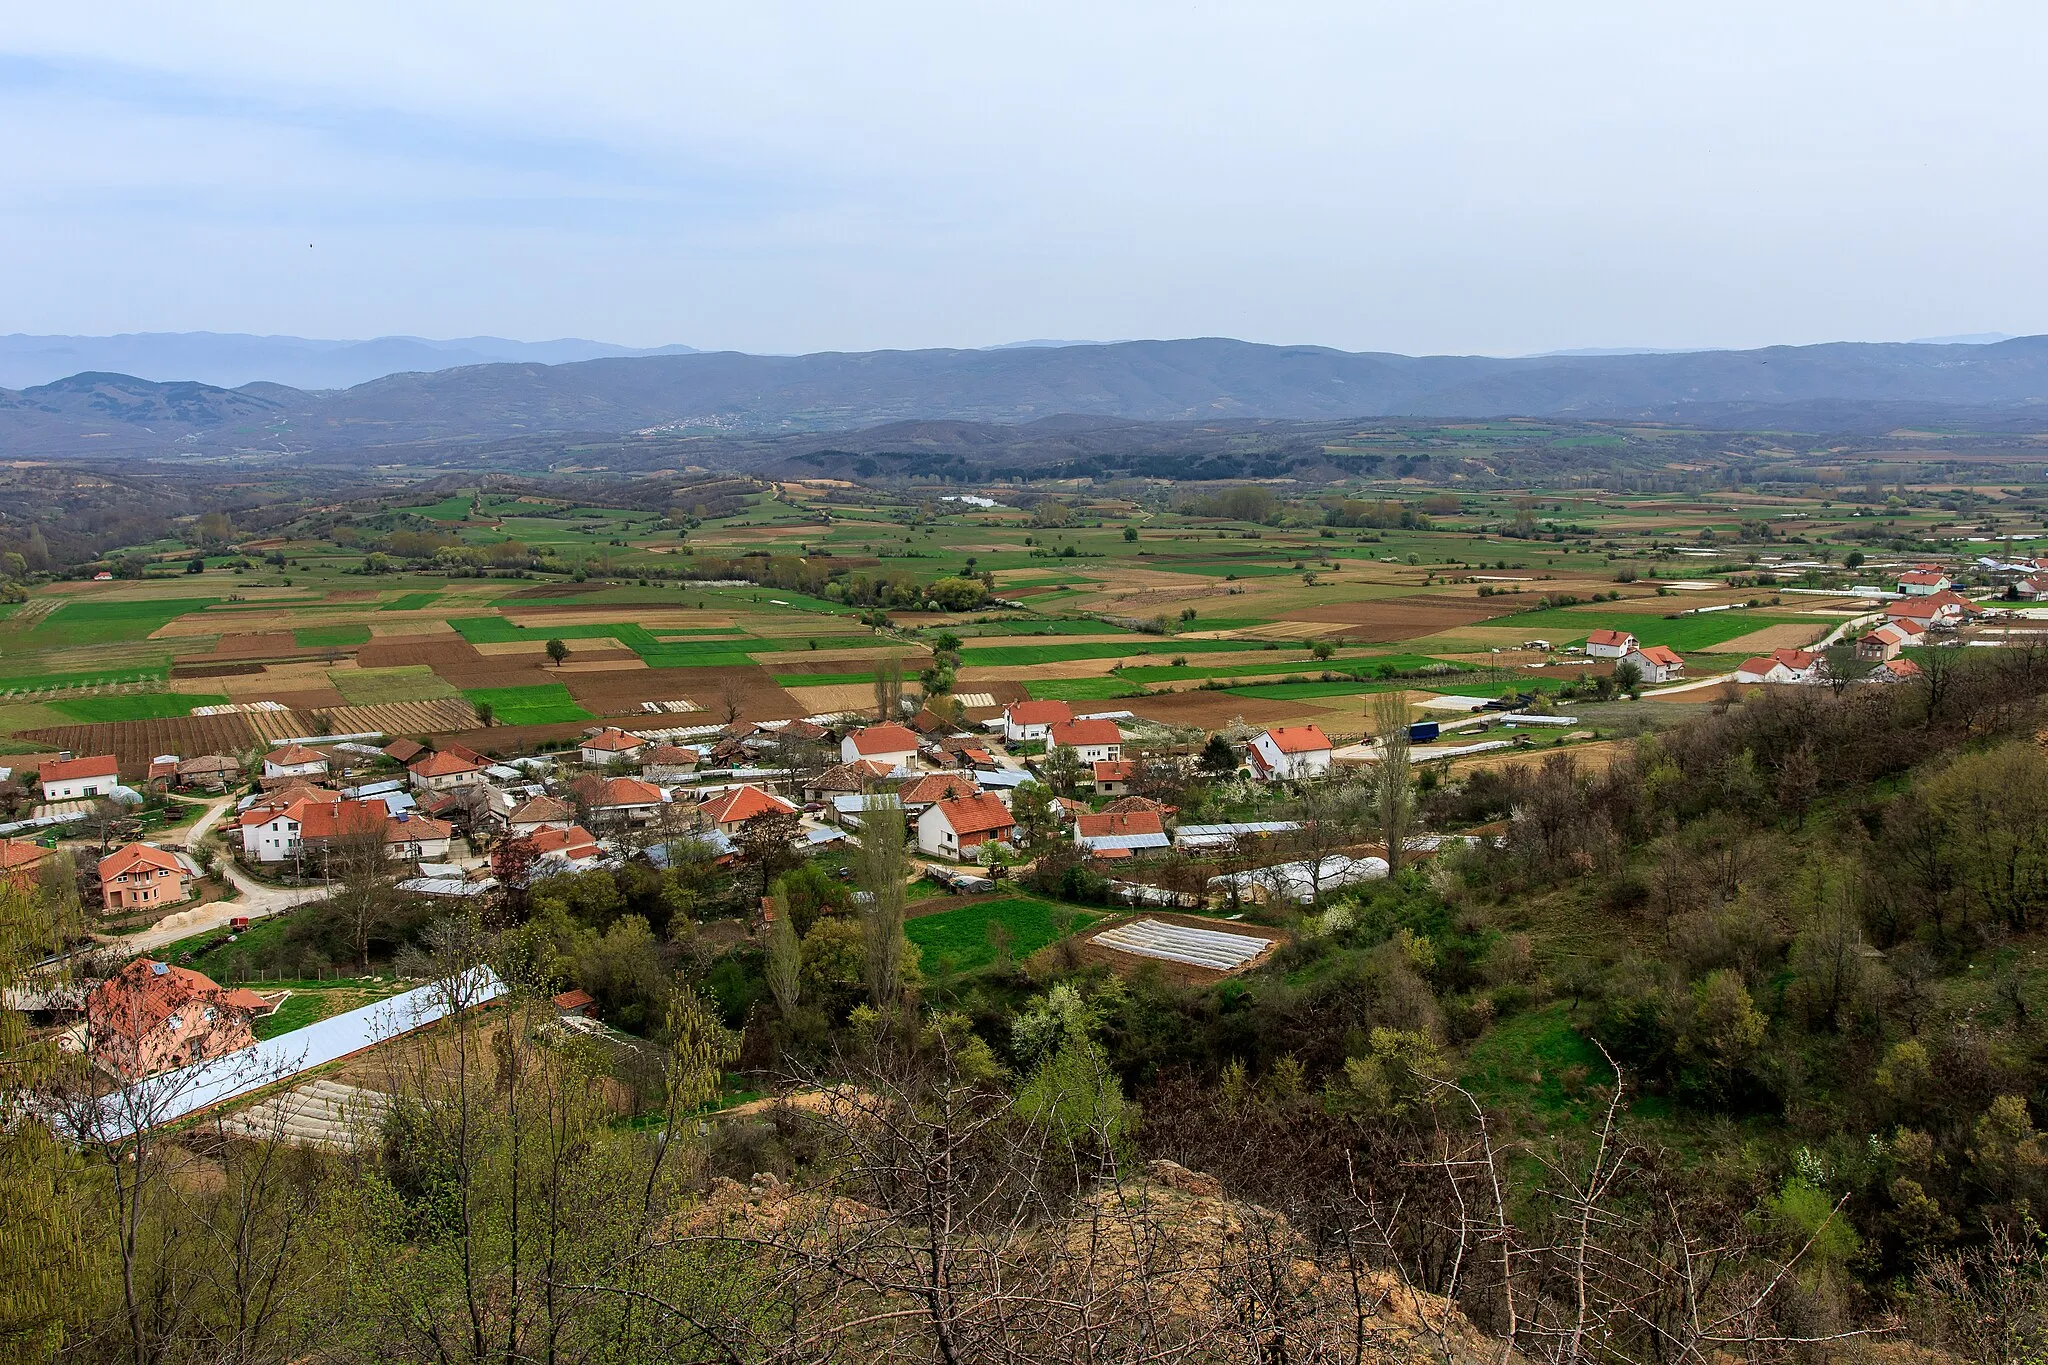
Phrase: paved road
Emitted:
{"points": [[256, 900]]}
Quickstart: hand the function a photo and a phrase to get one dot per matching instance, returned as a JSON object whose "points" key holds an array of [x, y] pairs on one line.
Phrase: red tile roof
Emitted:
{"points": [[1114, 770], [981, 813], [744, 803], [1111, 824], [612, 740], [538, 809], [1298, 739], [1924, 578], [922, 791], [1037, 712], [1616, 639], [602, 792], [138, 999], [403, 750], [71, 769], [884, 739], [292, 755], [132, 856], [444, 763], [1660, 655], [574, 843], [1075, 733], [19, 853], [574, 1000]]}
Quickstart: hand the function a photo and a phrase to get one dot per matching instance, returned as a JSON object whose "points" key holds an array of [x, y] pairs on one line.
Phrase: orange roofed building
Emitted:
{"points": [[958, 828], [741, 804], [141, 876], [152, 1017]]}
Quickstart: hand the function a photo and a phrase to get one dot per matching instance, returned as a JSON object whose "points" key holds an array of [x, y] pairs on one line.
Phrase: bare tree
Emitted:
{"points": [[881, 871], [1392, 794]]}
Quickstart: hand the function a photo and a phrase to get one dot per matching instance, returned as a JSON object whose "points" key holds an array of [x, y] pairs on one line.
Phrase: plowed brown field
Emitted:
{"points": [[136, 742], [1398, 618]]}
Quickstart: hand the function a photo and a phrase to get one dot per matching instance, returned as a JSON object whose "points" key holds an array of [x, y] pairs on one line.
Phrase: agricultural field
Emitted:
{"points": [[973, 935], [1160, 604]]}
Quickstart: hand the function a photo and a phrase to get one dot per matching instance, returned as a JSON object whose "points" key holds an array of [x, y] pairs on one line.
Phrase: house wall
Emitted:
{"points": [[78, 788], [143, 886]]}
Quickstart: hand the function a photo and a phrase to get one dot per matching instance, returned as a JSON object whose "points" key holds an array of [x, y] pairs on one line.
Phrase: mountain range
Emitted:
{"points": [[1826, 387]]}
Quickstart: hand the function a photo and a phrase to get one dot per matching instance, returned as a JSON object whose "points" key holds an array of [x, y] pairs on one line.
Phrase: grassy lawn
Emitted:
{"points": [[376, 686], [1538, 1063], [321, 637], [140, 706], [540, 704], [299, 1009], [958, 940]]}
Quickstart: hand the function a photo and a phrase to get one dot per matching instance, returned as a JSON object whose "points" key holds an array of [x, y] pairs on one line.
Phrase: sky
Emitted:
{"points": [[1425, 177]]}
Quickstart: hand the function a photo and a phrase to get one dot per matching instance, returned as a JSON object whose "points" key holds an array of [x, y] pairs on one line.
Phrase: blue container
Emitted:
{"points": [[1422, 732]]}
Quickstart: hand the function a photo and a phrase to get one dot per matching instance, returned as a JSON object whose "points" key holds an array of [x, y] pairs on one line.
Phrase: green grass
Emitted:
{"points": [[539, 704], [299, 1009], [141, 706], [23, 673], [825, 679], [377, 686], [1007, 655], [1075, 689], [454, 507], [412, 601], [1526, 1062], [958, 940], [1296, 691], [321, 637], [1686, 634], [101, 623]]}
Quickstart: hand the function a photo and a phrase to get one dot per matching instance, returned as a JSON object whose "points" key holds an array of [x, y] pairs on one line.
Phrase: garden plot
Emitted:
{"points": [[443, 716], [1211, 950], [325, 1114]]}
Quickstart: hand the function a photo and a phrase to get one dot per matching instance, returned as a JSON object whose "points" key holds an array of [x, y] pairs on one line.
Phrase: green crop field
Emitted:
{"points": [[377, 686], [412, 601], [454, 507], [1077, 689], [139, 706], [958, 940], [540, 704], [1686, 634], [1003, 656], [99, 623], [322, 637], [823, 679]]}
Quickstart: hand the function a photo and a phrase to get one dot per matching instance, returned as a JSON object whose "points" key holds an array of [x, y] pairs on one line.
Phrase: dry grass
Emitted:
{"points": [[817, 701], [1792, 635]]}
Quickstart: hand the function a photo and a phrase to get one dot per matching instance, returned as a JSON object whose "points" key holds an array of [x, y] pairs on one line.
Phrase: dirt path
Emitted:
{"points": [[255, 900]]}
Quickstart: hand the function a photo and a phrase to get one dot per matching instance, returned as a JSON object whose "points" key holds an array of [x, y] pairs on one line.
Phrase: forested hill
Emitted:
{"points": [[1198, 380]]}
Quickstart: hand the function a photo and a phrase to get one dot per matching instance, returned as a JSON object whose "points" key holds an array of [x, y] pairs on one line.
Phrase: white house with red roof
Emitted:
{"points": [[294, 760], [1657, 663], [1092, 740], [1895, 671], [1287, 752], [1025, 721], [1780, 666], [895, 745], [1924, 582], [617, 800], [535, 814], [729, 811], [1609, 644], [929, 788], [446, 770], [79, 779], [1942, 608], [570, 849], [1114, 778], [611, 745], [141, 876], [958, 828], [1119, 834]]}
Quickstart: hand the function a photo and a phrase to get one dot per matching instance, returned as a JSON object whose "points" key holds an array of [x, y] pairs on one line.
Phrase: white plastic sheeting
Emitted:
{"points": [[1218, 951], [1303, 880], [173, 1095]]}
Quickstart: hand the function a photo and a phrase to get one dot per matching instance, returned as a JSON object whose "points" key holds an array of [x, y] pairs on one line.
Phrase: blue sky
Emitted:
{"points": [[1497, 178]]}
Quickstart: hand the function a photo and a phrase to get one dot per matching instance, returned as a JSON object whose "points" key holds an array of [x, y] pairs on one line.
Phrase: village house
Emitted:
{"points": [[1093, 741], [1025, 721], [163, 773], [2033, 587], [1656, 663], [141, 876], [1885, 642], [1780, 666], [1924, 582], [1895, 671], [294, 760], [151, 1017], [403, 751], [209, 772], [1120, 834], [447, 770], [1114, 778], [270, 828], [613, 801], [565, 849], [78, 779], [21, 862], [1942, 610], [667, 763], [535, 814], [895, 745], [1609, 644], [846, 779], [958, 828], [610, 745], [923, 791], [729, 810], [1289, 752]]}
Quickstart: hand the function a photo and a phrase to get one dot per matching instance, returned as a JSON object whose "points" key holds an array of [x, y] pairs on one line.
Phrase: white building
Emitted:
{"points": [[79, 779], [1924, 582], [1288, 752], [958, 828], [1780, 666], [1093, 741], [1609, 644], [1657, 663], [895, 745], [610, 745], [294, 760], [1026, 721]]}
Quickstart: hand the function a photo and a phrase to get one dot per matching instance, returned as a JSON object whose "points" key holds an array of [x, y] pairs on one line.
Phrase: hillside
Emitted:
{"points": [[1205, 380]]}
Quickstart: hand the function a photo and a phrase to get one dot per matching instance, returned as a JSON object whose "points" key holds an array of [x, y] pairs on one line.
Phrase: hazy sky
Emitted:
{"points": [[1423, 176]]}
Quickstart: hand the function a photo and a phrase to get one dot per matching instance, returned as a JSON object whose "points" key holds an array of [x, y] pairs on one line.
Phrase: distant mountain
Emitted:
{"points": [[1965, 339], [230, 359], [727, 394]]}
